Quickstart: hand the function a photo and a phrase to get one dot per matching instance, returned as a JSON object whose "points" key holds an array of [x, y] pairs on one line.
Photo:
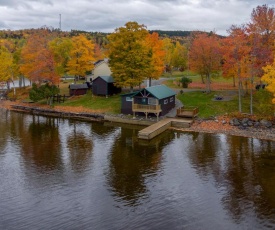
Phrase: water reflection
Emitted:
{"points": [[80, 148], [42, 145], [132, 162], [62, 174]]}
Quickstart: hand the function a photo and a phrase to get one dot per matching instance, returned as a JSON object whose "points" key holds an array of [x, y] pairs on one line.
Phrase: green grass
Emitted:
{"points": [[111, 104], [208, 107]]}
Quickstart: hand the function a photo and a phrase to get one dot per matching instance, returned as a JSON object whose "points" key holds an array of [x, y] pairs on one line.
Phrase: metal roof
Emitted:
{"points": [[78, 86], [160, 91], [108, 79]]}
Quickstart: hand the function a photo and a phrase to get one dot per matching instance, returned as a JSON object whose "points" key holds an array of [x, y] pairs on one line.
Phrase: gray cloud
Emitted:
{"points": [[106, 15]]}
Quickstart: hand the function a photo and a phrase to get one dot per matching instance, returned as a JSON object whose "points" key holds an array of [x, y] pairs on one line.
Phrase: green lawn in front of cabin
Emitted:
{"points": [[208, 107], [111, 104]]}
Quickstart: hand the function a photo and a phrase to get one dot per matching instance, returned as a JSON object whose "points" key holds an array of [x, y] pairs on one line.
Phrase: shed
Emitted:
{"points": [[158, 100], [78, 89], [104, 85]]}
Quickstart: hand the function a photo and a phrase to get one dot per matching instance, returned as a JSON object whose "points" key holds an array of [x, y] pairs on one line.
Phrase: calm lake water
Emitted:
{"points": [[62, 174]]}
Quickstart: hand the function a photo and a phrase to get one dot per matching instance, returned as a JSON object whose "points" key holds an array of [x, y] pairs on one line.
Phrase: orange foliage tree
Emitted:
{"points": [[205, 56], [37, 60], [261, 30], [157, 53]]}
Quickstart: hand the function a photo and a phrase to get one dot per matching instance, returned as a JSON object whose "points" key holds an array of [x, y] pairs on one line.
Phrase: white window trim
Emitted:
{"points": [[171, 99], [129, 99], [165, 101]]}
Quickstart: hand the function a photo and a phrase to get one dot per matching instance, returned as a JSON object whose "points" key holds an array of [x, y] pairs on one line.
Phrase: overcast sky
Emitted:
{"points": [[106, 15]]}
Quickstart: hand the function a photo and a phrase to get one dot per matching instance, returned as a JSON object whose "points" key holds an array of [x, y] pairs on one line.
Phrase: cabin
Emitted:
{"points": [[101, 68], [157, 100], [78, 89], [104, 86]]}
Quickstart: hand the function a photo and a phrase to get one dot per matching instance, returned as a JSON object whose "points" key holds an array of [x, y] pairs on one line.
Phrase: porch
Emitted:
{"points": [[146, 109]]}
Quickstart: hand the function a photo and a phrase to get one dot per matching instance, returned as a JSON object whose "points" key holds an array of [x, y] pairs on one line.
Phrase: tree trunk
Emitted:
{"points": [[150, 81], [234, 81], [208, 83]]}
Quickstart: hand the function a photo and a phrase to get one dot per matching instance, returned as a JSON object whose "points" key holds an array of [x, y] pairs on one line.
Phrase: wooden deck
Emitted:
{"points": [[159, 127], [146, 109], [188, 112]]}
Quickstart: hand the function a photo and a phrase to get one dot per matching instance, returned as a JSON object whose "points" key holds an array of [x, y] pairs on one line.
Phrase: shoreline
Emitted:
{"points": [[218, 126]]}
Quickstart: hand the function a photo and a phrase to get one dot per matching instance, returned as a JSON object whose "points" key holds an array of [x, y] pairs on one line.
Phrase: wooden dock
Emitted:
{"points": [[159, 127]]}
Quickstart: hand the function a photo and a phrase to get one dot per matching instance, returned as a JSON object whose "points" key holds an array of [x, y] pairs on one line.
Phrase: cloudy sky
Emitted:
{"points": [[106, 15]]}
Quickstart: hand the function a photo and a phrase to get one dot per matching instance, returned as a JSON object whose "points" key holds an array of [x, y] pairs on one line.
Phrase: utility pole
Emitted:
{"points": [[60, 22]]}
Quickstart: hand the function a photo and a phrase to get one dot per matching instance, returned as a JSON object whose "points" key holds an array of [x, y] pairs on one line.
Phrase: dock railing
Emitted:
{"points": [[188, 111]]}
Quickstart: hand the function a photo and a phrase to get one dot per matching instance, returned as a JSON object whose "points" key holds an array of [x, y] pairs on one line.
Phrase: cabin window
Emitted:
{"points": [[129, 99], [171, 99], [165, 101], [152, 101]]}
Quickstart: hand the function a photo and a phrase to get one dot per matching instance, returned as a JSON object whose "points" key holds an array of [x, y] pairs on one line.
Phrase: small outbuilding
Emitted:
{"points": [[104, 86], [158, 100], [78, 89]]}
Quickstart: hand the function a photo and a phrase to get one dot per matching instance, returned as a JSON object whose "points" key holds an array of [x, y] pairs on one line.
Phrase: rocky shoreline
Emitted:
{"points": [[246, 126]]}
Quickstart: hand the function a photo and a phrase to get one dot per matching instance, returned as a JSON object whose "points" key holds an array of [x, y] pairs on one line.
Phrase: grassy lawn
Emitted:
{"points": [[208, 107], [111, 104]]}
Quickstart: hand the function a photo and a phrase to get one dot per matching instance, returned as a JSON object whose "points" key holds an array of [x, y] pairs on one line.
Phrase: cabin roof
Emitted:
{"points": [[78, 86], [108, 79], [159, 91]]}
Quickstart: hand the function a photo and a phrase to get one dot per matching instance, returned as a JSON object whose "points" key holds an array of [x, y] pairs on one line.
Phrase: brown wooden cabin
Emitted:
{"points": [[104, 86], [157, 100], [78, 89]]}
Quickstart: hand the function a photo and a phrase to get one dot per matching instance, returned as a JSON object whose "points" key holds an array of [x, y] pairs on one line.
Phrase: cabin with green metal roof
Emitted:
{"points": [[157, 100], [104, 86]]}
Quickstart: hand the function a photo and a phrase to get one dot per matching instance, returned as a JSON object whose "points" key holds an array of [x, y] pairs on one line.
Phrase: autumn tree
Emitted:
{"points": [[81, 56], [179, 57], [61, 48], [205, 56], [261, 30], [157, 53], [37, 60], [129, 55], [269, 78], [169, 49], [236, 57], [5, 64]]}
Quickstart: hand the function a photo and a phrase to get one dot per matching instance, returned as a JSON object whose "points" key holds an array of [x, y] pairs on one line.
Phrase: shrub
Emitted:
{"points": [[185, 81], [43, 92]]}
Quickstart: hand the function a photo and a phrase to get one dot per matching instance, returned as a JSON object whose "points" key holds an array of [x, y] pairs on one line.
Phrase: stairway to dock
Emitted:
{"points": [[159, 127]]}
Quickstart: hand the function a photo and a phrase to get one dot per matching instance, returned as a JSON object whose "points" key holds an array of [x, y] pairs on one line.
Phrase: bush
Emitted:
{"points": [[43, 92], [185, 81]]}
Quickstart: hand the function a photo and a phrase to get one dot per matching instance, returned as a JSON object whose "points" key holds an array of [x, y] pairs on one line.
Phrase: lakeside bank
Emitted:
{"points": [[219, 124]]}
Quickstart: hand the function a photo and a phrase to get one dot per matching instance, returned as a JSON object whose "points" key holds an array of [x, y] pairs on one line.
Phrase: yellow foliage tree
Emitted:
{"points": [[81, 56], [129, 55], [269, 78], [5, 64]]}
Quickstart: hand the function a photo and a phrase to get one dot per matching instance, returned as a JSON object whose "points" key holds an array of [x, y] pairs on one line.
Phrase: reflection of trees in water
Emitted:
{"points": [[101, 129], [80, 148], [202, 152], [243, 168], [41, 143], [250, 184], [132, 162], [4, 129]]}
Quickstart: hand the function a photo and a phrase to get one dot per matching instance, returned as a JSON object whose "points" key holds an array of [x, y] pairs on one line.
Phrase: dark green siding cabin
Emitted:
{"points": [[126, 103], [104, 86], [78, 89], [157, 100]]}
